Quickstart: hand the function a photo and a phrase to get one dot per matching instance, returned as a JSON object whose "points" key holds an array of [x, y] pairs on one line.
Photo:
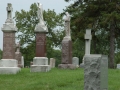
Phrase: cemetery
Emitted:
{"points": [[77, 56]]}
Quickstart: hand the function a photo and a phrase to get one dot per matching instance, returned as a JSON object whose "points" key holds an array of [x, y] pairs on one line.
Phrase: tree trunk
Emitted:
{"points": [[112, 46]]}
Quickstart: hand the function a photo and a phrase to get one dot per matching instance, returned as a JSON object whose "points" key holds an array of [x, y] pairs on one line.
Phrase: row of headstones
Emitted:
{"points": [[75, 61]]}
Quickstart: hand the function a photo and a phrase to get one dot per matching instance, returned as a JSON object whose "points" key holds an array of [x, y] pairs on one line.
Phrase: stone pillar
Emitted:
{"points": [[52, 62], [96, 72], [40, 61], [66, 61], [8, 64]]}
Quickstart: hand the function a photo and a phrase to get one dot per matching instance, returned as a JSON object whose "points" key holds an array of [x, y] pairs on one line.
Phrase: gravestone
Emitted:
{"points": [[8, 63], [88, 38], [40, 61], [75, 61], [52, 62], [96, 72], [118, 66], [18, 55], [66, 46], [22, 61]]}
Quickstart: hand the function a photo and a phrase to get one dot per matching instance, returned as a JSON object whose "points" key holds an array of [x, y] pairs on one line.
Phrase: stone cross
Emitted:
{"points": [[88, 38], [9, 11]]}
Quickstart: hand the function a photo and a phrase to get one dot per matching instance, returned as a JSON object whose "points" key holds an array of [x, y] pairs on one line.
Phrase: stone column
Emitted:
{"points": [[8, 64], [40, 61], [66, 61], [96, 72]]}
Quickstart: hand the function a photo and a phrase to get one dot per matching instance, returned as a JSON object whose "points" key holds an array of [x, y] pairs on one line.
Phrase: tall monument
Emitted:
{"points": [[8, 63], [40, 61], [66, 61]]}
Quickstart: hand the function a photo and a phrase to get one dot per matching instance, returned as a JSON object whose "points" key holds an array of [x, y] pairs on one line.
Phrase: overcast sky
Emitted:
{"points": [[57, 5]]}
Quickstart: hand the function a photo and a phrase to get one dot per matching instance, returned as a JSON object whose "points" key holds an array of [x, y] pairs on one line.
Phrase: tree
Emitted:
{"points": [[0, 54], [26, 22], [100, 15]]}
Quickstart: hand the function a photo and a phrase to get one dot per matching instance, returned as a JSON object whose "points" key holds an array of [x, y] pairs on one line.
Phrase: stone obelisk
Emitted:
{"points": [[40, 61], [8, 63], [66, 61]]}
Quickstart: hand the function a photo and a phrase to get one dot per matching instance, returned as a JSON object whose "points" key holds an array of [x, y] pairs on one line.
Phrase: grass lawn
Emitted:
{"points": [[56, 79]]}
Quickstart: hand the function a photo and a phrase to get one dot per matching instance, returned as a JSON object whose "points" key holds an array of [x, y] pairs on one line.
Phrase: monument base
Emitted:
{"points": [[9, 66], [40, 64], [67, 66], [40, 68]]}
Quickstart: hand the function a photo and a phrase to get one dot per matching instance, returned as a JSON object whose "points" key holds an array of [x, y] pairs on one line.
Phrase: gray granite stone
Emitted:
{"points": [[118, 66], [75, 61], [96, 72]]}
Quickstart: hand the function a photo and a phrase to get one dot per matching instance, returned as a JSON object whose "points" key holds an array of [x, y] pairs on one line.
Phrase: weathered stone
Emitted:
{"points": [[75, 61], [118, 66], [66, 52], [96, 72], [52, 62]]}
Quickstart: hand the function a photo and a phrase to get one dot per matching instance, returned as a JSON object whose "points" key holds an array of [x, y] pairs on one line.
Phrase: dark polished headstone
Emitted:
{"points": [[40, 45], [66, 51], [8, 45]]}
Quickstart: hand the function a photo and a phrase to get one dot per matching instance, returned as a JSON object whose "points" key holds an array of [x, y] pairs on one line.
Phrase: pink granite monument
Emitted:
{"points": [[8, 63], [40, 61], [66, 61]]}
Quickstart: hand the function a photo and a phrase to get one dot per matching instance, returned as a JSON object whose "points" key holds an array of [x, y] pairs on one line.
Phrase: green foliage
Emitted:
{"points": [[103, 17], [0, 54], [26, 22]]}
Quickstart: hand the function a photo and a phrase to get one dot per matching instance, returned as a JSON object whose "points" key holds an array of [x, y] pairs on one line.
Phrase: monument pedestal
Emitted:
{"points": [[9, 66], [40, 64]]}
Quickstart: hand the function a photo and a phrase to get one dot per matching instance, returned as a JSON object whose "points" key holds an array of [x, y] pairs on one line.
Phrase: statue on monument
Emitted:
{"points": [[41, 27], [67, 24], [9, 13], [40, 13]]}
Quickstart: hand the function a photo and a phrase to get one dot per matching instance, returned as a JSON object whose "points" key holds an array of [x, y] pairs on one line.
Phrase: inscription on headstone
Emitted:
{"points": [[8, 45], [40, 45]]}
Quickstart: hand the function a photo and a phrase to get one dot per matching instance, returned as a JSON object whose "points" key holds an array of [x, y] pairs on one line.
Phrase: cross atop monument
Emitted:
{"points": [[88, 38], [9, 13]]}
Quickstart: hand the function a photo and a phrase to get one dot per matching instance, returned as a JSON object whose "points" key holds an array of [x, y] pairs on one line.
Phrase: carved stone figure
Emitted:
{"points": [[9, 13], [67, 24], [40, 13]]}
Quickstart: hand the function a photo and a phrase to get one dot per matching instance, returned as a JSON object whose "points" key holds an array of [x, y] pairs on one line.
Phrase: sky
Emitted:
{"points": [[57, 5]]}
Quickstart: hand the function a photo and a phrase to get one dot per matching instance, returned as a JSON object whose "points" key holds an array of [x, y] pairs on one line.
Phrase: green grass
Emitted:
{"points": [[56, 79]]}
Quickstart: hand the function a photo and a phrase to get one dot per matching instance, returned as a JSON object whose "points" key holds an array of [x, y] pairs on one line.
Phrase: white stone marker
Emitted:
{"points": [[52, 62], [88, 38], [75, 61]]}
